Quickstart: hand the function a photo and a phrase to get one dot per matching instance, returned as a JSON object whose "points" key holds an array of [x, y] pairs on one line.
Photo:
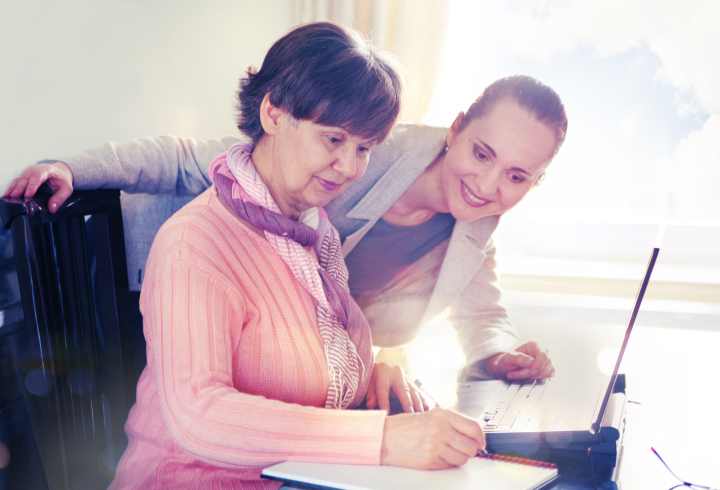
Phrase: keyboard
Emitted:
{"points": [[525, 406]]}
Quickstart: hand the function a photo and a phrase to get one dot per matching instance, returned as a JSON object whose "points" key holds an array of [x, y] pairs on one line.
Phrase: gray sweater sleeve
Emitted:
{"points": [[163, 165]]}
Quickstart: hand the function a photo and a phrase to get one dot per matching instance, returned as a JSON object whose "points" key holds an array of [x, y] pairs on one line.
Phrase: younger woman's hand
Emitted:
{"points": [[527, 361], [432, 440], [384, 378], [58, 176], [542, 366]]}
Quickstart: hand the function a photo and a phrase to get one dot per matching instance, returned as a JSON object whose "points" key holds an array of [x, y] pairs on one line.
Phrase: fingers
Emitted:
{"points": [[386, 378], [469, 429], [420, 403], [520, 360], [431, 440], [547, 370], [35, 180], [535, 369], [408, 394], [492, 364], [10, 187], [60, 196], [58, 176], [518, 374], [542, 365], [402, 389], [519, 366], [516, 363], [17, 187], [453, 457], [371, 394], [528, 361], [27, 183], [463, 438], [382, 386], [530, 348], [538, 364], [539, 367]]}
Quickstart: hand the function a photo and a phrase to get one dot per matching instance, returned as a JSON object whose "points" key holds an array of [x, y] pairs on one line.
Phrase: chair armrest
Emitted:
{"points": [[80, 203]]}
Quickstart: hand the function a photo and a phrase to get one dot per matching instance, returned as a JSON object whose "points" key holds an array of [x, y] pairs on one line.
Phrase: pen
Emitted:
{"points": [[419, 384], [481, 452]]}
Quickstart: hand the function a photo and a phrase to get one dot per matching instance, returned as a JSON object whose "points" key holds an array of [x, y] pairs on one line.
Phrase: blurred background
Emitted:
{"points": [[639, 79]]}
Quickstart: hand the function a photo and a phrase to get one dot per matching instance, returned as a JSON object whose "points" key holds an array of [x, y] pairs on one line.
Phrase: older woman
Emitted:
{"points": [[255, 346], [416, 228]]}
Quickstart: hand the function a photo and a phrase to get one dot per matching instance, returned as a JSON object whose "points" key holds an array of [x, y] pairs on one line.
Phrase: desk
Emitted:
{"points": [[668, 371]]}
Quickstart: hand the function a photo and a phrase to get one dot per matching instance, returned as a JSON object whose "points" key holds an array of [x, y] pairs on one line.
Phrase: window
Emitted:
{"points": [[639, 84]]}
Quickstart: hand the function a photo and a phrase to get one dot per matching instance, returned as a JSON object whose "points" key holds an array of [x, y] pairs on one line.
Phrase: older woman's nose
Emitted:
{"points": [[346, 162]]}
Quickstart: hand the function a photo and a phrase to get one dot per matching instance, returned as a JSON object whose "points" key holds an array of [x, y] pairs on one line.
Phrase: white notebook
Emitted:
{"points": [[477, 474]]}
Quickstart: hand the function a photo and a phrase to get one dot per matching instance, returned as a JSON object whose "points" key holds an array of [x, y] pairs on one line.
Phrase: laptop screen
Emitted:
{"points": [[631, 322]]}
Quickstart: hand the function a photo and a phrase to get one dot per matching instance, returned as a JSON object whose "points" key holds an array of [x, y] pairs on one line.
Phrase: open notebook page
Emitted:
{"points": [[477, 474]]}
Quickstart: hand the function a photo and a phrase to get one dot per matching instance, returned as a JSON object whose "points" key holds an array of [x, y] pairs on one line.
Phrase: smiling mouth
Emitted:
{"points": [[327, 185], [471, 198]]}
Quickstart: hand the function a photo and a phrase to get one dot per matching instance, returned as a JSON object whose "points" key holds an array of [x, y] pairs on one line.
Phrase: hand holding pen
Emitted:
{"points": [[481, 451]]}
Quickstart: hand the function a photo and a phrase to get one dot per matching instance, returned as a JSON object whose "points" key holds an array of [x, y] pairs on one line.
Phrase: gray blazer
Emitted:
{"points": [[177, 168]]}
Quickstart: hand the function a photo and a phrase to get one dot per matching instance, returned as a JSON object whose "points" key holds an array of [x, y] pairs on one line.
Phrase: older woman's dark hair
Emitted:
{"points": [[539, 100], [327, 74]]}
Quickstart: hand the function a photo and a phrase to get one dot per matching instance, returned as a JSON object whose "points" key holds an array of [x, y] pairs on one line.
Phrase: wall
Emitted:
{"points": [[78, 73]]}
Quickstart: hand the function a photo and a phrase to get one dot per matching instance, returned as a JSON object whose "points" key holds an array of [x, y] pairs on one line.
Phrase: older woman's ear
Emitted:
{"points": [[270, 115]]}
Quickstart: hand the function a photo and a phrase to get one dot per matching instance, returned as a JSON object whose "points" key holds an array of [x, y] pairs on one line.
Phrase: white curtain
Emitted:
{"points": [[414, 30]]}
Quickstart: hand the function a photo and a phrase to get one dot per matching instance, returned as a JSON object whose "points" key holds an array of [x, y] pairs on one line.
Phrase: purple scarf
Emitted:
{"points": [[343, 328]]}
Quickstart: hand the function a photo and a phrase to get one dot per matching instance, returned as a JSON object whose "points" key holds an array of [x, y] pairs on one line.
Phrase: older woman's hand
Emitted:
{"points": [[58, 176], [432, 440], [527, 361], [384, 378]]}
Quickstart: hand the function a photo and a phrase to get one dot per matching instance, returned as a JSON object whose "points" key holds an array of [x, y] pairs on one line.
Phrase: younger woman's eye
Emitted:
{"points": [[516, 178], [480, 154]]}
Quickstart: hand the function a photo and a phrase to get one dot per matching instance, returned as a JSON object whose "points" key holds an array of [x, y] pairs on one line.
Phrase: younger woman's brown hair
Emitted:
{"points": [[538, 99]]}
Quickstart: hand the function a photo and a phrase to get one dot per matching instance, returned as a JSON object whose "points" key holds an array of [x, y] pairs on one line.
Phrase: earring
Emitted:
{"points": [[446, 147]]}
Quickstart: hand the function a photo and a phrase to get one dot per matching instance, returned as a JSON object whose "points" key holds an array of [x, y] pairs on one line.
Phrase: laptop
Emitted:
{"points": [[559, 413]]}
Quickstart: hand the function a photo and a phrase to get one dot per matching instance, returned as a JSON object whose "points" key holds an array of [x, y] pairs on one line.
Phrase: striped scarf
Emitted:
{"points": [[343, 328]]}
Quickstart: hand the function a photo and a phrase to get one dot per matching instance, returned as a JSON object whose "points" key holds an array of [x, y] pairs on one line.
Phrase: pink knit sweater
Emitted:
{"points": [[236, 374]]}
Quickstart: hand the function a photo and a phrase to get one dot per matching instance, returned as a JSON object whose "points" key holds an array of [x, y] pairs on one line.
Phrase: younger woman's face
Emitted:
{"points": [[494, 161]]}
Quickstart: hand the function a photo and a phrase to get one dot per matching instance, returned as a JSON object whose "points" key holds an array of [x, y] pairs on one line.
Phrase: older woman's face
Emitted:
{"points": [[494, 161], [312, 164]]}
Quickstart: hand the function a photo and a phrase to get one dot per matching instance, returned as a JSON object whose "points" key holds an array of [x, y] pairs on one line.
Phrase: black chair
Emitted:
{"points": [[19, 457], [82, 326]]}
